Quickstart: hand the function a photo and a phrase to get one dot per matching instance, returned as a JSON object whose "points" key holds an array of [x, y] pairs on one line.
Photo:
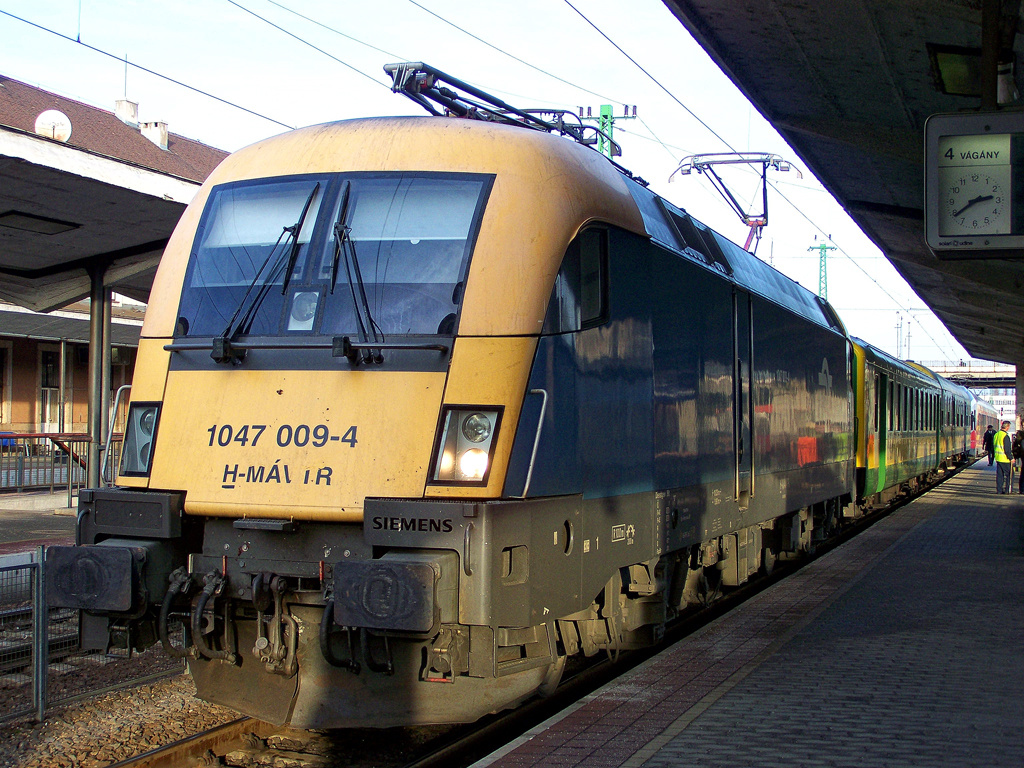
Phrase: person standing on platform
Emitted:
{"points": [[986, 442], [1003, 453], [1017, 448]]}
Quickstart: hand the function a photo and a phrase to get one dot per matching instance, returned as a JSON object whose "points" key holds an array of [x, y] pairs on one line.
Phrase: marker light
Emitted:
{"points": [[476, 428], [303, 311], [139, 435], [465, 446]]}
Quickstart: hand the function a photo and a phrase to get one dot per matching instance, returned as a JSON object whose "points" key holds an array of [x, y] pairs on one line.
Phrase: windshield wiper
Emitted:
{"points": [[296, 231], [365, 325], [222, 350], [342, 231]]}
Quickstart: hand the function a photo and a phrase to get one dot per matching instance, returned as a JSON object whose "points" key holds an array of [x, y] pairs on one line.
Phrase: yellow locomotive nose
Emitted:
{"points": [[301, 444]]}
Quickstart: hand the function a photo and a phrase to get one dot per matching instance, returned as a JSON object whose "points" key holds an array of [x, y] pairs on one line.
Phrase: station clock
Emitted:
{"points": [[974, 185]]}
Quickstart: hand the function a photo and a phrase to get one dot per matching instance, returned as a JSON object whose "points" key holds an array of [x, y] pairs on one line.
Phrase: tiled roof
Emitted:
{"points": [[103, 133]]}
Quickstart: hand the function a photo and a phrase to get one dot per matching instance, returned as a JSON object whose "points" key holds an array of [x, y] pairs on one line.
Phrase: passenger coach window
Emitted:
{"points": [[579, 298], [892, 406], [901, 398], [876, 403]]}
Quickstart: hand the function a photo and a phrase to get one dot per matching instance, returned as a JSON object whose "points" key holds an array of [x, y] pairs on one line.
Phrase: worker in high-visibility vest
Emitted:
{"points": [[1004, 456]]}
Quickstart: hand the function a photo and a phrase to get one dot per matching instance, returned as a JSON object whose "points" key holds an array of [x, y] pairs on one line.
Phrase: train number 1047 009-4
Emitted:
{"points": [[299, 435]]}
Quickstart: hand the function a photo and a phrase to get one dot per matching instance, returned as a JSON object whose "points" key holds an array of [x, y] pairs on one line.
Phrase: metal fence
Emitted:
{"points": [[41, 663], [40, 460]]}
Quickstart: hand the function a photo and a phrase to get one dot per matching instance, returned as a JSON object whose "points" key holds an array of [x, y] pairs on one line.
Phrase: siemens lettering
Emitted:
{"points": [[420, 524]]}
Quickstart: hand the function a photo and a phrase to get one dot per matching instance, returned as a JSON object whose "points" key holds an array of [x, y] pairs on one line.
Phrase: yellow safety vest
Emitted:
{"points": [[999, 450]]}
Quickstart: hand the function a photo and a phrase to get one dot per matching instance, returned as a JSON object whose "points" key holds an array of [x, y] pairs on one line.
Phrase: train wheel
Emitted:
{"points": [[768, 558]]}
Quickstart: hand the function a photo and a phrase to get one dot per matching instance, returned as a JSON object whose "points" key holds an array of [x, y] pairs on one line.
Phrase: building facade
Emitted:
{"points": [[79, 187], [44, 366]]}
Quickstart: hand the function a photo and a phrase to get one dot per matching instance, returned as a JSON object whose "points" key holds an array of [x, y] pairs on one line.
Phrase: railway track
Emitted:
{"points": [[248, 743], [16, 646]]}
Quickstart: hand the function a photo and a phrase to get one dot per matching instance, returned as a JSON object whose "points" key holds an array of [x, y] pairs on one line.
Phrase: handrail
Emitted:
{"points": [[536, 438], [110, 431]]}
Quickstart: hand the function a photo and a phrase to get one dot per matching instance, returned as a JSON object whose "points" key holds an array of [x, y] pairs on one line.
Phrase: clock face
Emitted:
{"points": [[974, 185], [974, 200]]}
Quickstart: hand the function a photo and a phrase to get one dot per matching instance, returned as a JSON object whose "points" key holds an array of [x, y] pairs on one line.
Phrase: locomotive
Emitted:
{"points": [[424, 405]]}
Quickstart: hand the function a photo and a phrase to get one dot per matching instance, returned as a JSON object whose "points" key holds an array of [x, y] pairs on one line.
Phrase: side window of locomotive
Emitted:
{"points": [[579, 298], [593, 255]]}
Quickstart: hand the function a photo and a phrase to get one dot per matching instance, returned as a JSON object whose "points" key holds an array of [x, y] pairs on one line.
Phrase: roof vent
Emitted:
{"points": [[53, 124], [127, 112], [155, 132]]}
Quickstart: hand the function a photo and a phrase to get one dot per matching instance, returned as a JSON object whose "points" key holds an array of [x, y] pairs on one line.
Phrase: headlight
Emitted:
{"points": [[476, 428], [465, 445], [473, 464], [139, 435]]}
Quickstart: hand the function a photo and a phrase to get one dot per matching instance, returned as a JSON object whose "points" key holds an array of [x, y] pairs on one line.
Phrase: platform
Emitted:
{"points": [[28, 520], [902, 647]]}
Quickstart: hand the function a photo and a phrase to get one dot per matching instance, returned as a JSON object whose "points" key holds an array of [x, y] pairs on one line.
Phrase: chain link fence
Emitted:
{"points": [[41, 662]]}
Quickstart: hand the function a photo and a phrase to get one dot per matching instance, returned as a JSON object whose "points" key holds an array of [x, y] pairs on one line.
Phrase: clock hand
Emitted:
{"points": [[978, 199]]}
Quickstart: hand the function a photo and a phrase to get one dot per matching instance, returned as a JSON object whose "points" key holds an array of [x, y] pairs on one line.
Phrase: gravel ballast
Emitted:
{"points": [[111, 727]]}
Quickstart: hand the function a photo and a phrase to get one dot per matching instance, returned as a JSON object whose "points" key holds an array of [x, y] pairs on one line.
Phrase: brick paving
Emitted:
{"points": [[22, 530], [903, 647]]}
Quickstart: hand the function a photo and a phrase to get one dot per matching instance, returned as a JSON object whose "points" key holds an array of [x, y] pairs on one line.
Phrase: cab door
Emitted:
{"points": [[743, 352]]}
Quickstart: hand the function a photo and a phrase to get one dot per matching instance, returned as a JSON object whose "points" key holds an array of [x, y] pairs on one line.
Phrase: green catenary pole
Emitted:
{"points": [[606, 125], [822, 273]]}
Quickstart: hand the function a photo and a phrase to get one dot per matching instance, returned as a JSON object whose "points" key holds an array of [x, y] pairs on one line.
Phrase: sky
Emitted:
{"points": [[232, 72]]}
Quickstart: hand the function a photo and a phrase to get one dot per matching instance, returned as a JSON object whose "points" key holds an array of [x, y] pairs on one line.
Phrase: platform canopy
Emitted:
{"points": [[83, 188], [88, 201], [849, 85]]}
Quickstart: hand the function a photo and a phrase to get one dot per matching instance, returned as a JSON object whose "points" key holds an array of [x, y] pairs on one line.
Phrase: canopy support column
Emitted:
{"points": [[1020, 396], [100, 304]]}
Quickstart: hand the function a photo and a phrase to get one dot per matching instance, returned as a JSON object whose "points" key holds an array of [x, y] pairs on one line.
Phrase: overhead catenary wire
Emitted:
{"points": [[732, 149], [315, 48], [148, 71], [649, 75], [259, 115], [503, 52], [544, 72], [856, 264], [311, 20]]}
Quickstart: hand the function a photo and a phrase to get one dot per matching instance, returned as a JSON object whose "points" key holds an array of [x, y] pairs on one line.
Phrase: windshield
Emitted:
{"points": [[410, 235]]}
